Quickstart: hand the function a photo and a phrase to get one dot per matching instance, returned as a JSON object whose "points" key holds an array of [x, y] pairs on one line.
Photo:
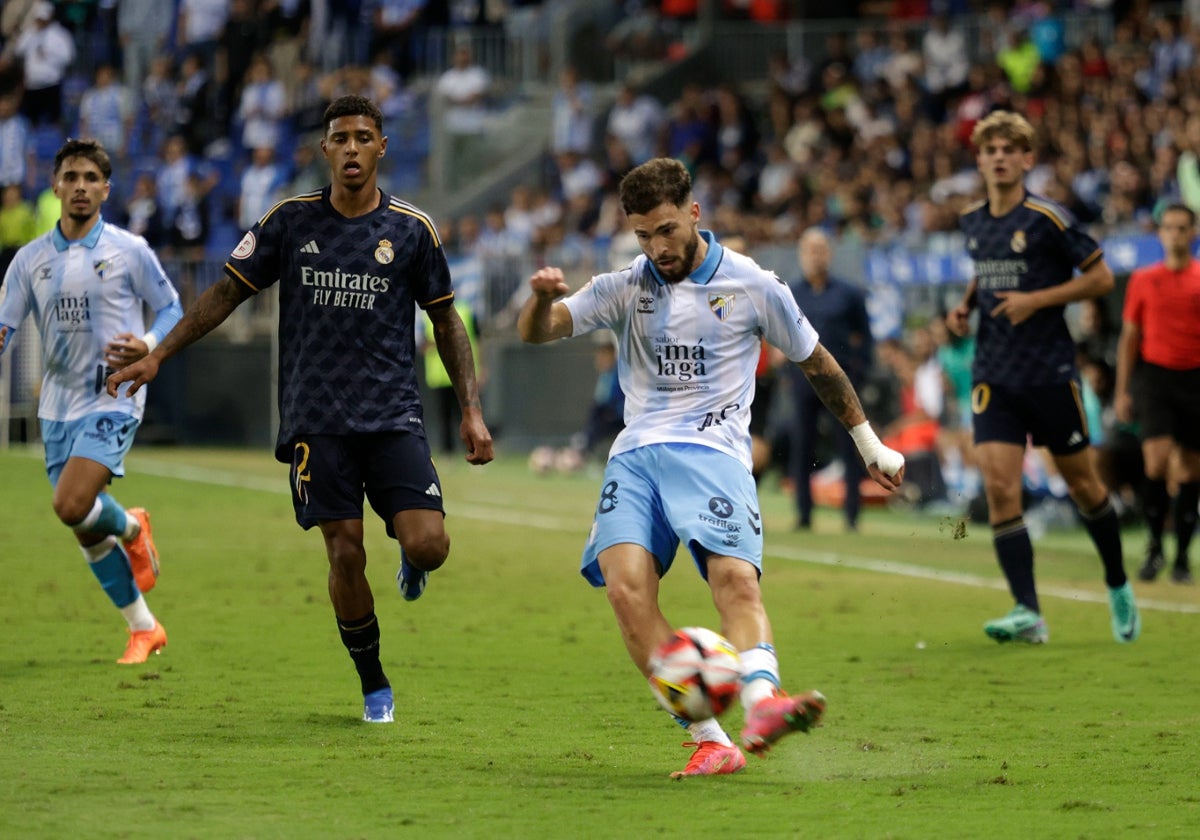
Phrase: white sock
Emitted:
{"points": [[708, 730], [97, 552], [84, 525], [760, 675], [138, 615]]}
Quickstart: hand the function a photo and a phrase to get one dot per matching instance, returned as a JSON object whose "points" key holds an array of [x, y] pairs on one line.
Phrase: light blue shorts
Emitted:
{"points": [[104, 437], [659, 495]]}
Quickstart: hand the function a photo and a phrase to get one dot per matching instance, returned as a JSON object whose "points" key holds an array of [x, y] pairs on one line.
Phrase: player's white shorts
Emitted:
{"points": [[659, 495]]}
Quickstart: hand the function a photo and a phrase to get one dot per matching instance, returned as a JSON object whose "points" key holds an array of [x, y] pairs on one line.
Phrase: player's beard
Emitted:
{"points": [[689, 257]]}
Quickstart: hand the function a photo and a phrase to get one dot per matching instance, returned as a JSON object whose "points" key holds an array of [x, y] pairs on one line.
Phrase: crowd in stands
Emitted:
{"points": [[210, 109]]}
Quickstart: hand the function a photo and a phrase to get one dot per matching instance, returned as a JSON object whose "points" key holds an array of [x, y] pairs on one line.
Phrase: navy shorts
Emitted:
{"points": [[1051, 414], [332, 473], [1167, 404]]}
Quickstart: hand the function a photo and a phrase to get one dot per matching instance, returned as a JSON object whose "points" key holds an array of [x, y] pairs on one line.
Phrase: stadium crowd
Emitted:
{"points": [[208, 107]]}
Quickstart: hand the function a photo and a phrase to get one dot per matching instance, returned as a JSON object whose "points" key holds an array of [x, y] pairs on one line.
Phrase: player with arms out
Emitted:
{"points": [[689, 315], [1026, 385], [1158, 358], [352, 262], [86, 282]]}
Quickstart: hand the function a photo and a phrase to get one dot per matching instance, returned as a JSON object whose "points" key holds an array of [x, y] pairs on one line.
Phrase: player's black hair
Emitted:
{"points": [[353, 106], [655, 182], [91, 150]]}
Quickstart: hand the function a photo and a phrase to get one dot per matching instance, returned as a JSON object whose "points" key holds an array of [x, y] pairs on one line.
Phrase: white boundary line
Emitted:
{"points": [[527, 519]]}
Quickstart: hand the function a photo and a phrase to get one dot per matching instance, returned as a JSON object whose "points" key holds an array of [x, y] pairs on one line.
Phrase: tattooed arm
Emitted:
{"points": [[885, 465], [833, 387], [454, 347], [209, 310]]}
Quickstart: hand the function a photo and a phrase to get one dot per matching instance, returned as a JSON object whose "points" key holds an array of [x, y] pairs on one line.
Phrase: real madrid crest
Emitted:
{"points": [[721, 305], [384, 253], [1018, 242]]}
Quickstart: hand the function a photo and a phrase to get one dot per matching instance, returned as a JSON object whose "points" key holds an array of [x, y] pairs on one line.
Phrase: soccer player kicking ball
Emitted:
{"points": [[352, 263], [688, 315], [1026, 385], [86, 282]]}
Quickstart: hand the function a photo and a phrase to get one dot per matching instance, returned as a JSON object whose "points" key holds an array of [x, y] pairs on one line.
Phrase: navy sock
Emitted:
{"points": [[361, 638], [1105, 531], [1014, 550], [1185, 520], [1154, 508]]}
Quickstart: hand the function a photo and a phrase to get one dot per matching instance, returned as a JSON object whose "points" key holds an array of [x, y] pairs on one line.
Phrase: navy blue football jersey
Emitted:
{"points": [[347, 290], [1034, 246]]}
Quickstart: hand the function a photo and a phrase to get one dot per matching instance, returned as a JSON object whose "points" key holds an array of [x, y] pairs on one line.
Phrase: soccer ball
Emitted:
{"points": [[694, 674]]}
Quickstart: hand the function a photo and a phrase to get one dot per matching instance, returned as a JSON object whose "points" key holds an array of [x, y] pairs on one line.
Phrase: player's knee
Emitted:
{"points": [[427, 551], [624, 597], [71, 509], [347, 557], [735, 592]]}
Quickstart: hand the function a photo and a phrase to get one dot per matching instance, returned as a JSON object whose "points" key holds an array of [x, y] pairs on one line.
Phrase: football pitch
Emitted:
{"points": [[518, 713]]}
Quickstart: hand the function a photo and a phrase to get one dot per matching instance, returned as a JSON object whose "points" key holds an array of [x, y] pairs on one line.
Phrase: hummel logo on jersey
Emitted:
{"points": [[433, 491], [1075, 438], [310, 248]]}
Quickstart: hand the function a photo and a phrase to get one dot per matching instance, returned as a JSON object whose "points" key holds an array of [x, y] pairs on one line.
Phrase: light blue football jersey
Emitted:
{"points": [[687, 351], [82, 295]]}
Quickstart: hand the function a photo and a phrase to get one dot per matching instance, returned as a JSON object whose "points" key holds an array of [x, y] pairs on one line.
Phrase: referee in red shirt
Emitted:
{"points": [[1158, 370]]}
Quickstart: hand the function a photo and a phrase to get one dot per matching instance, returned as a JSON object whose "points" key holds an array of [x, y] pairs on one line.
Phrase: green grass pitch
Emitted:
{"points": [[518, 714]]}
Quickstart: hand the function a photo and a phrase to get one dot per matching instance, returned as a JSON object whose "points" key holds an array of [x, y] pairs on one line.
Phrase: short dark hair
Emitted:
{"points": [[655, 182], [353, 106], [92, 150], [1178, 207]]}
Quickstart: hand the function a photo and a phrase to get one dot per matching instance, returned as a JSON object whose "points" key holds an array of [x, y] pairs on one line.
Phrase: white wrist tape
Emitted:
{"points": [[874, 452], [150, 341]]}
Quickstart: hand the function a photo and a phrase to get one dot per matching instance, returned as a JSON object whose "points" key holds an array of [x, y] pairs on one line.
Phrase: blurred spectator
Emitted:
{"points": [[241, 40], [106, 111], [464, 88], [175, 166], [46, 50], [286, 25], [572, 117], [17, 161], [387, 87], [946, 63], [690, 134], [190, 225], [46, 211], [262, 107], [394, 24], [637, 121], [309, 171], [606, 414], [143, 27], [198, 29], [160, 101], [640, 33], [142, 214], [1020, 61], [262, 186], [17, 224], [195, 119]]}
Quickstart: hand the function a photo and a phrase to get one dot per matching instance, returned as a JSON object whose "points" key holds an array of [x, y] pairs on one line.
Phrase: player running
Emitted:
{"points": [[85, 283], [352, 262]]}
